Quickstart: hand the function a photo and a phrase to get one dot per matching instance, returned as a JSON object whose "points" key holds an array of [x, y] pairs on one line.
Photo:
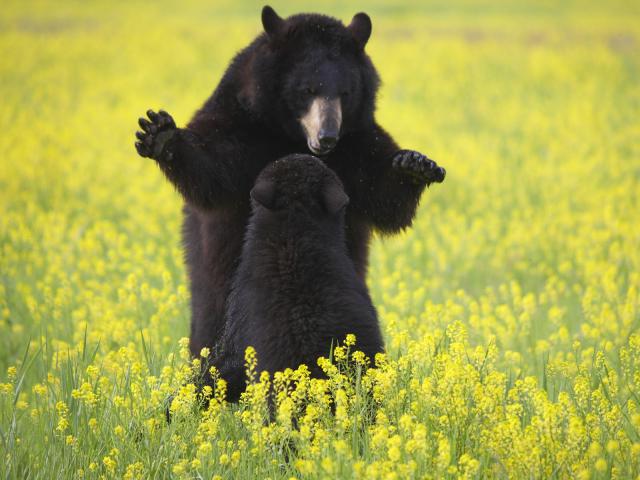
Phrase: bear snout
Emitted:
{"points": [[321, 123]]}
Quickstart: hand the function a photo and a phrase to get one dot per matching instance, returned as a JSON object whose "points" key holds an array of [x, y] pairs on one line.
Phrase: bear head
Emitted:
{"points": [[310, 78], [300, 184]]}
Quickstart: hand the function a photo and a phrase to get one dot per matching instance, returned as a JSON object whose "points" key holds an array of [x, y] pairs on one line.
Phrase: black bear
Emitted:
{"points": [[306, 83], [296, 292]]}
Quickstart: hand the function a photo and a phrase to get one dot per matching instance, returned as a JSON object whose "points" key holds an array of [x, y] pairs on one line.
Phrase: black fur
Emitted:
{"points": [[251, 120], [295, 293]]}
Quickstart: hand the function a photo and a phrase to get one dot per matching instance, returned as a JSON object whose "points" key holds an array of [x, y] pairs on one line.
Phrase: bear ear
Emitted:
{"points": [[334, 197], [360, 28], [271, 21], [264, 193]]}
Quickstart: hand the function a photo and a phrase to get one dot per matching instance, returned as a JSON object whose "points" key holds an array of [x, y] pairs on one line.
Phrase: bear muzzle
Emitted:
{"points": [[321, 124]]}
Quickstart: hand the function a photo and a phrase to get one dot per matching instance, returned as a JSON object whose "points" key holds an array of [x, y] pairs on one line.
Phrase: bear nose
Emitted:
{"points": [[327, 139]]}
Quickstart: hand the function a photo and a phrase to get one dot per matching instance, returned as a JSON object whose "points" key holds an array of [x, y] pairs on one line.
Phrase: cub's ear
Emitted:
{"points": [[334, 197], [360, 28], [271, 21], [264, 193]]}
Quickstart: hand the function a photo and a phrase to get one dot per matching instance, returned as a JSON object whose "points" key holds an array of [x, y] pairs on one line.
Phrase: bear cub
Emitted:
{"points": [[296, 292]]}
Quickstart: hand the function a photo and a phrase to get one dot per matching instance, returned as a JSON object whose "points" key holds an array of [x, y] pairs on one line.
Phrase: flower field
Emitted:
{"points": [[511, 309]]}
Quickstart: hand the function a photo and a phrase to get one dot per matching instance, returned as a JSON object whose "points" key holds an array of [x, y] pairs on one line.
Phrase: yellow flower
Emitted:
{"points": [[180, 467], [601, 465]]}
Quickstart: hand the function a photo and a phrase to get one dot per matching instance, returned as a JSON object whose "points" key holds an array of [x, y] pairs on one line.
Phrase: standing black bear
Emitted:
{"points": [[304, 83], [295, 292]]}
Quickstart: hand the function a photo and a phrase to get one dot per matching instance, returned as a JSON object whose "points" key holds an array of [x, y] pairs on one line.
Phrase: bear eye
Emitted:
{"points": [[345, 93], [310, 90]]}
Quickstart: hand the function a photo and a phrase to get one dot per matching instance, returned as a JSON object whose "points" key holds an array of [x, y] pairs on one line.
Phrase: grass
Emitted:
{"points": [[511, 309]]}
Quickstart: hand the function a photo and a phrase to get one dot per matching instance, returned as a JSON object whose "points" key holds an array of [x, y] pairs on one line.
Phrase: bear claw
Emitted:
{"points": [[418, 166], [154, 134]]}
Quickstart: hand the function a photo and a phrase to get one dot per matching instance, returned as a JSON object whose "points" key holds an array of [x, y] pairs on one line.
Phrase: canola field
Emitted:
{"points": [[511, 309]]}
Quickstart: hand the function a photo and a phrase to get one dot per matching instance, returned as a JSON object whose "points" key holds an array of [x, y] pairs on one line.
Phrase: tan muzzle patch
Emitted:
{"points": [[321, 124]]}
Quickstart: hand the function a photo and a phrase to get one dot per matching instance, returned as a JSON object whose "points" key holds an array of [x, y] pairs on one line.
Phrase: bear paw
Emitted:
{"points": [[418, 166], [154, 134]]}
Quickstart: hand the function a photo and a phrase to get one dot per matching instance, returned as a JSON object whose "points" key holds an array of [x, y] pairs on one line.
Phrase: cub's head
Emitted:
{"points": [[311, 78], [301, 184]]}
